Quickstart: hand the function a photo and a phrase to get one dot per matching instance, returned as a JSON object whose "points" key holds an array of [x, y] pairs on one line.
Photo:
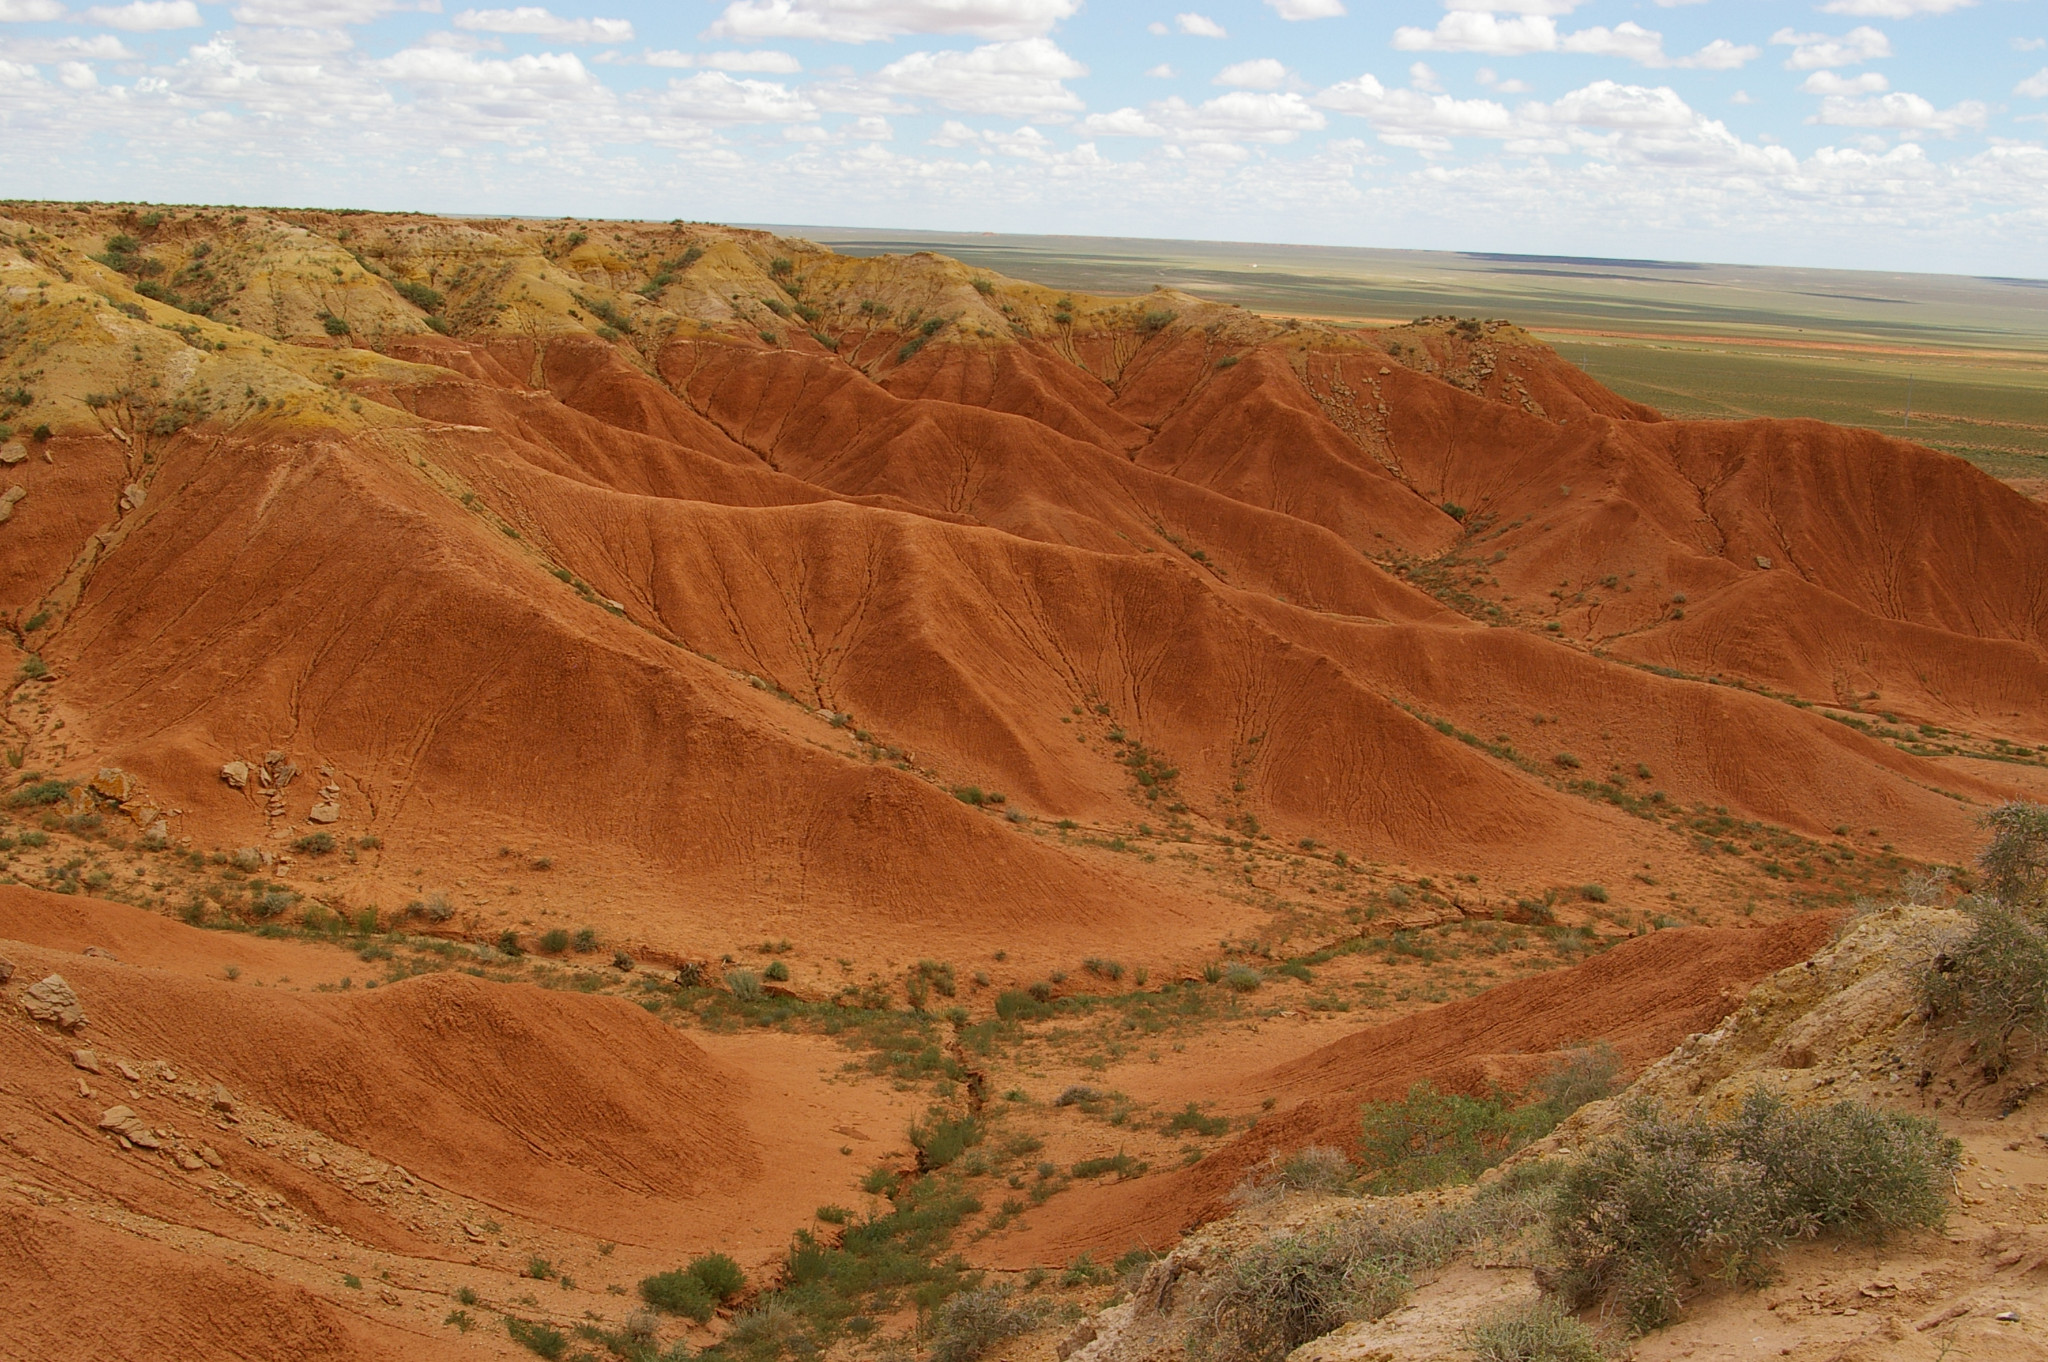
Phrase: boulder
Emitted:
{"points": [[132, 496], [86, 1060], [52, 1000], [127, 1071], [125, 1122], [13, 452], [236, 773], [7, 500], [6, 969], [223, 1100], [326, 811], [115, 784]]}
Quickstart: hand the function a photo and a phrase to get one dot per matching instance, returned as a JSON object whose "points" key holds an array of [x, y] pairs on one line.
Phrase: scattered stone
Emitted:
{"points": [[142, 812], [127, 1071], [132, 496], [83, 1090], [115, 784], [125, 1124], [189, 1161], [7, 500], [1763, 562], [236, 773], [474, 1233], [1082, 1335], [53, 1001], [209, 1158], [86, 1060], [223, 1100], [13, 452], [101, 953], [313, 1160], [7, 972], [327, 811]]}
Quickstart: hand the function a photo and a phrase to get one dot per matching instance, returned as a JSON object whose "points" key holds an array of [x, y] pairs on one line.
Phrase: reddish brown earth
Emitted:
{"points": [[703, 589]]}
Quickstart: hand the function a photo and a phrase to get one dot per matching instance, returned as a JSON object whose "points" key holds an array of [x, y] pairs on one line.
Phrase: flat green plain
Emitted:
{"points": [[1699, 341]]}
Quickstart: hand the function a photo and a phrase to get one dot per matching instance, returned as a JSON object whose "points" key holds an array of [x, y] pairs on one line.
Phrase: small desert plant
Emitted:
{"points": [[940, 1139], [1541, 1331], [1991, 986], [777, 971], [336, 326], [678, 1293], [314, 843], [1104, 969], [585, 940], [554, 941], [1192, 1119], [1664, 1203], [1282, 1292], [744, 983], [2015, 861], [969, 1325], [537, 1338], [1242, 978]]}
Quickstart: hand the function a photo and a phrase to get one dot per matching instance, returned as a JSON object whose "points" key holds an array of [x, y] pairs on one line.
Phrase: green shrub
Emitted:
{"points": [[419, 295], [537, 1338], [834, 1215], [1646, 1214], [2015, 861], [720, 1275], [1542, 1331], [972, 1323], [1121, 1164], [1283, 1292], [1593, 893], [1242, 977], [38, 792], [984, 287], [1191, 1119], [585, 940], [678, 1293], [336, 326], [1431, 1138], [1991, 987], [554, 941], [744, 983], [1105, 969], [777, 971], [314, 843], [34, 668], [941, 1139], [1568, 761]]}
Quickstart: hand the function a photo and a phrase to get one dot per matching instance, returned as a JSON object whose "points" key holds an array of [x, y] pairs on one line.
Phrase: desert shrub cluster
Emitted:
{"points": [[1991, 986]]}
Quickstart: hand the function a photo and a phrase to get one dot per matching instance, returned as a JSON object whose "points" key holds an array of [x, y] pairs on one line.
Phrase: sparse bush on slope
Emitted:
{"points": [[1991, 987]]}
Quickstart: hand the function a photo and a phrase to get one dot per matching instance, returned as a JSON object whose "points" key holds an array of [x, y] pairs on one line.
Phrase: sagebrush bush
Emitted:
{"points": [[1647, 1214], [678, 1292], [1542, 1331], [971, 1323], [1991, 987], [720, 1275], [1431, 1138]]}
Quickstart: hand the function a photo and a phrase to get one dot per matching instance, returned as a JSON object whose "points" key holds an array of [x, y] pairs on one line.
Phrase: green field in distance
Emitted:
{"points": [[1718, 342]]}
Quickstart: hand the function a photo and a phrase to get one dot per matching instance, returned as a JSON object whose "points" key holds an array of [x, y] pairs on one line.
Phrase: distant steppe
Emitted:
{"points": [[1696, 341]]}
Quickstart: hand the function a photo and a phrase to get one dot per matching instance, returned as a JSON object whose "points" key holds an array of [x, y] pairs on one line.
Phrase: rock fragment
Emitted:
{"points": [[52, 1000], [235, 773], [189, 1161], [132, 496], [223, 1100], [127, 1071], [86, 1060], [326, 811], [6, 969], [7, 500], [124, 1121], [115, 784], [13, 452]]}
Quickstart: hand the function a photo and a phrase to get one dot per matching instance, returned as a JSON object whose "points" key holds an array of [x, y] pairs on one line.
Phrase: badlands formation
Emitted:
{"points": [[543, 751]]}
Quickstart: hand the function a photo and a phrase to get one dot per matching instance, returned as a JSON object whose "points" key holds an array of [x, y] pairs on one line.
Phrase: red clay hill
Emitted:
{"points": [[897, 608]]}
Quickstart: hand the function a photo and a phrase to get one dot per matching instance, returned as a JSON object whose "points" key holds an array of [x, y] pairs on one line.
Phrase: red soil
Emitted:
{"points": [[1641, 998]]}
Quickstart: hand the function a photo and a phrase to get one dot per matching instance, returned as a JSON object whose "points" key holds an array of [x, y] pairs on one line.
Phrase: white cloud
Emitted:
{"points": [[1199, 26], [2034, 86], [1013, 79], [1414, 112], [863, 21], [1465, 31], [1817, 51], [76, 75], [715, 97], [29, 11], [1550, 7], [146, 16], [1473, 30], [1491, 79], [765, 60], [540, 23], [1902, 112], [1720, 55], [2028, 44], [1307, 9], [1240, 116], [99, 47], [1161, 72], [1422, 77], [1893, 9], [1828, 83], [438, 66], [321, 14], [1260, 73]]}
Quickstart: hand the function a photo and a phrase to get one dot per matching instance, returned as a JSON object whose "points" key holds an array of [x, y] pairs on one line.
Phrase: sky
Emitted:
{"points": [[1880, 134]]}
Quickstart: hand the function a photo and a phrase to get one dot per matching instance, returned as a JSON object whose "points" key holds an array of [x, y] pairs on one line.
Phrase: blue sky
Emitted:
{"points": [[1901, 134]]}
